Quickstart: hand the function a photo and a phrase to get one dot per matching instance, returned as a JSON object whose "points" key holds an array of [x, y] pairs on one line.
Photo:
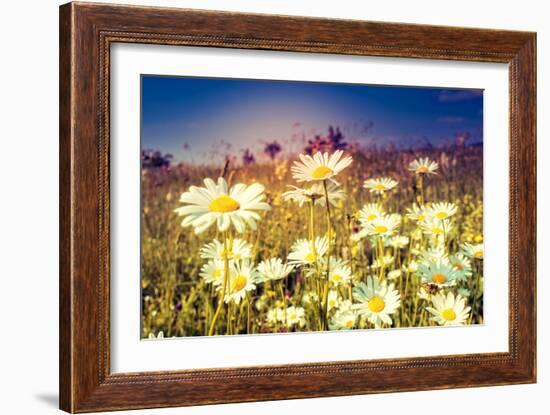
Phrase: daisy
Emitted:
{"points": [[423, 166], [442, 210], [394, 274], [217, 203], [399, 241], [295, 316], [316, 194], [343, 320], [239, 249], [462, 265], [242, 278], [473, 251], [434, 254], [411, 267], [310, 298], [435, 227], [386, 261], [438, 273], [376, 301], [380, 185], [448, 310], [213, 272], [275, 315], [302, 252], [369, 213], [383, 226], [340, 274], [319, 167], [416, 213], [274, 269], [333, 300]]}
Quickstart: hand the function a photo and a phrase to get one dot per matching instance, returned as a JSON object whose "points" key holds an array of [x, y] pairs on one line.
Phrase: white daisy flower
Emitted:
{"points": [[449, 310], [310, 298], [423, 166], [295, 316], [316, 194], [439, 273], [384, 226], [302, 252], [239, 250], [333, 300], [275, 315], [274, 269], [369, 213], [340, 272], [434, 254], [411, 267], [242, 278], [376, 301], [343, 320], [462, 265], [213, 271], [442, 210], [321, 166], [473, 251], [394, 274], [380, 185], [386, 261], [217, 203], [435, 227], [417, 213], [398, 241]]}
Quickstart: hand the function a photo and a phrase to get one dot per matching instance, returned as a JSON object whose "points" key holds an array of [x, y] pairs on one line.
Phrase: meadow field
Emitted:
{"points": [[398, 244]]}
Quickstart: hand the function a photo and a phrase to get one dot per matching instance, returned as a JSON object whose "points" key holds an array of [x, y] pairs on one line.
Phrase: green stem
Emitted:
{"points": [[224, 288], [282, 292], [329, 251]]}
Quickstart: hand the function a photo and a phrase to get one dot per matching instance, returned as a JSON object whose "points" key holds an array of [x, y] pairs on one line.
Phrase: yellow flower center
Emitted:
{"points": [[478, 254], [436, 230], [321, 172], [379, 186], [337, 278], [240, 283], [380, 229], [439, 278], [292, 316], [224, 204], [421, 216], [423, 169], [310, 257], [441, 215], [349, 324], [448, 314], [218, 273], [372, 216], [376, 304]]}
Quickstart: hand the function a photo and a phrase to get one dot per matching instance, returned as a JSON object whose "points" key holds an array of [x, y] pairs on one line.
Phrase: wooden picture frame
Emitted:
{"points": [[86, 33]]}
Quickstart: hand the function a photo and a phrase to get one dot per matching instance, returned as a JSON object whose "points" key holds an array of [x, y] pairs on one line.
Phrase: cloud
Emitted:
{"points": [[458, 95]]}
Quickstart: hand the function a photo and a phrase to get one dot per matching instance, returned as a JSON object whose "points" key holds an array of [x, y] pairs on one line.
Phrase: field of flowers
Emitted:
{"points": [[255, 247]]}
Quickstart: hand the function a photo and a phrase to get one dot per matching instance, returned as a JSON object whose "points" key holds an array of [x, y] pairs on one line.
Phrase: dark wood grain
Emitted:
{"points": [[86, 33]]}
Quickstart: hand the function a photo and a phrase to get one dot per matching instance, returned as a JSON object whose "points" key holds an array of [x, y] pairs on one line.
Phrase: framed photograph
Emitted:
{"points": [[259, 207]]}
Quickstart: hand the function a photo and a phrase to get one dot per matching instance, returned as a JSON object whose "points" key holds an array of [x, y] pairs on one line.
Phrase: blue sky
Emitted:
{"points": [[190, 117]]}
